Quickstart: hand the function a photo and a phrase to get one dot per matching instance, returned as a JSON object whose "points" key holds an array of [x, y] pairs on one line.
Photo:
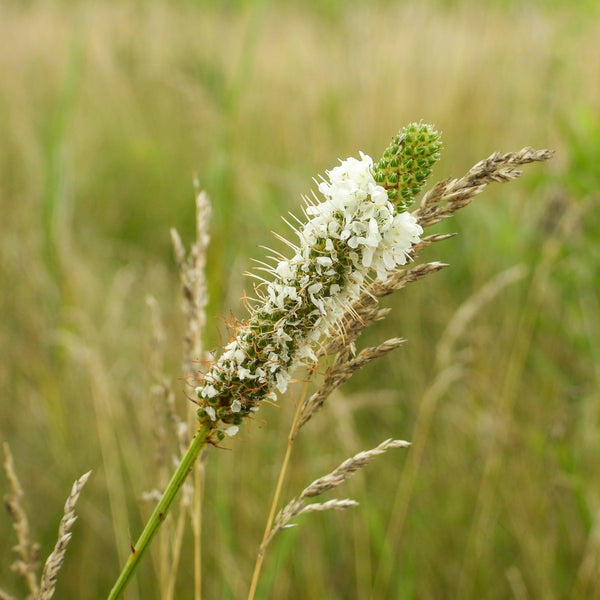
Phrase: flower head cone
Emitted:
{"points": [[359, 228]]}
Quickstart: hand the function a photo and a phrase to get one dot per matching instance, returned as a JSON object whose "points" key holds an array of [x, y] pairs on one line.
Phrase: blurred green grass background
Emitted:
{"points": [[108, 111]]}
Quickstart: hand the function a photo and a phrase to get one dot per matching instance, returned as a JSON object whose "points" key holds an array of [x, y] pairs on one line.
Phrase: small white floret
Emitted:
{"points": [[209, 391]]}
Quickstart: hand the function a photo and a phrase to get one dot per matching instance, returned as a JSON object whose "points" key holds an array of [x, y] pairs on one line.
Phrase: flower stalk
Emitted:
{"points": [[162, 508]]}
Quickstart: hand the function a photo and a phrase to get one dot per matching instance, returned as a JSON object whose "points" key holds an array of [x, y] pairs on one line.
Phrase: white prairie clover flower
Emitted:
{"points": [[357, 228]]}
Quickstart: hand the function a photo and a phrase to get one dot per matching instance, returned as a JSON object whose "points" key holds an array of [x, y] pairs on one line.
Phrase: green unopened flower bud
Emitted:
{"points": [[223, 412], [407, 162]]}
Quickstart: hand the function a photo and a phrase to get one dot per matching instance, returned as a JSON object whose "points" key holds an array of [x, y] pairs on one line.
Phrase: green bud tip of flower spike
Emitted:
{"points": [[407, 162]]}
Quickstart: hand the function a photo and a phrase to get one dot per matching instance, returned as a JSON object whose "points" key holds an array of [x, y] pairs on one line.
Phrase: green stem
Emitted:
{"points": [[161, 510]]}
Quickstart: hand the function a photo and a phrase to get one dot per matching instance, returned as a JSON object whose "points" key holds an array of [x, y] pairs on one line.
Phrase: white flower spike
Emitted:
{"points": [[357, 229]]}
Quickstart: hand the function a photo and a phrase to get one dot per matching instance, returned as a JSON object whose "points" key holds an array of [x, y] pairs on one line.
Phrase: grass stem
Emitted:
{"points": [[276, 495]]}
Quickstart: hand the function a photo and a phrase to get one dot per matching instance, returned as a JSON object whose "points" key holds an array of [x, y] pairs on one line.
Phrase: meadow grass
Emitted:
{"points": [[106, 114]]}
